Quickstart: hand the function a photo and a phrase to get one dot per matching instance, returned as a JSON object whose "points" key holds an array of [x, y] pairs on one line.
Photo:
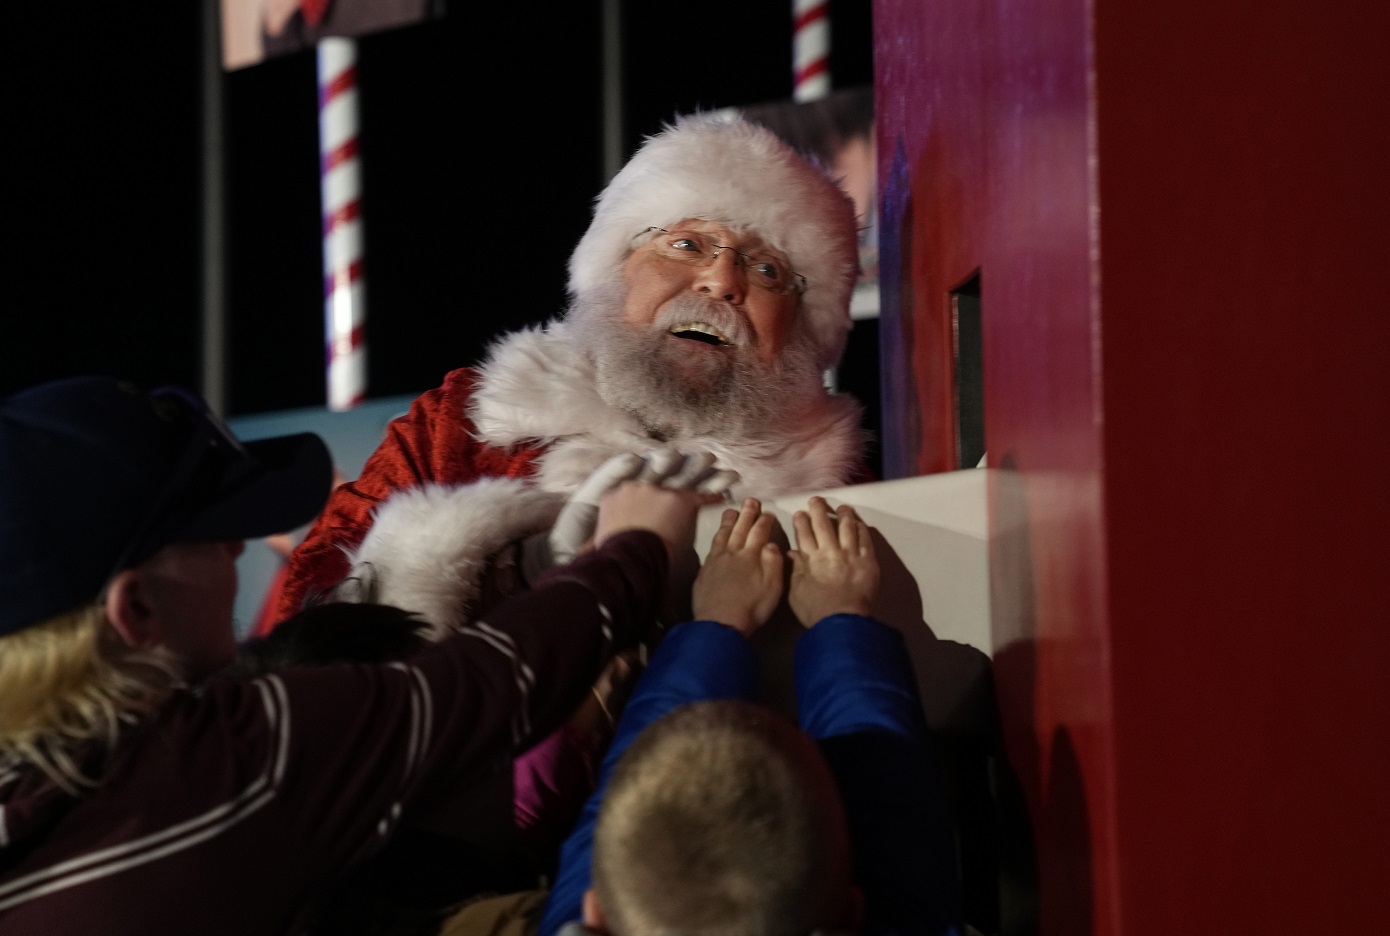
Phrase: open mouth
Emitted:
{"points": [[699, 331]]}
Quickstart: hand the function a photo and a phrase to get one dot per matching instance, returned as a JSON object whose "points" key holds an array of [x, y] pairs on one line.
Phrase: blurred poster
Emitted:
{"points": [[838, 130], [254, 30]]}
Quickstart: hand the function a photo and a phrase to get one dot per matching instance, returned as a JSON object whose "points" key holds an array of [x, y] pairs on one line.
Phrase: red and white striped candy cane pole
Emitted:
{"points": [[810, 49], [340, 180]]}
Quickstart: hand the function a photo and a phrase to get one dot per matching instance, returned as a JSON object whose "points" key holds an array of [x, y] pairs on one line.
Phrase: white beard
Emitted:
{"points": [[782, 431], [737, 396], [541, 385], [428, 547]]}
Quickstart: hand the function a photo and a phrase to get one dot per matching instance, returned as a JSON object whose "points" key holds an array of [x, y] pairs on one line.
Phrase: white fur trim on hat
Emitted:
{"points": [[731, 171]]}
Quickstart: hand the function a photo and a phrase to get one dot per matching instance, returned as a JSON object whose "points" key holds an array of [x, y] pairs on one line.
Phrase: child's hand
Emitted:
{"points": [[635, 505], [741, 580], [833, 566]]}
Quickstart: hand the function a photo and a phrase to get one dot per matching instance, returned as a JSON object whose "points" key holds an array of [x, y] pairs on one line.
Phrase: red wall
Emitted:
{"points": [[1180, 213]]}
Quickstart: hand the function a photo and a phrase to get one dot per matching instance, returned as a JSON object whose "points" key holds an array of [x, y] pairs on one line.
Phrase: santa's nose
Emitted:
{"points": [[722, 278]]}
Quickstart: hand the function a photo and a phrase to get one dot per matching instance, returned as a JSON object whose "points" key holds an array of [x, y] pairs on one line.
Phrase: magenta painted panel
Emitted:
{"points": [[983, 121], [1179, 212]]}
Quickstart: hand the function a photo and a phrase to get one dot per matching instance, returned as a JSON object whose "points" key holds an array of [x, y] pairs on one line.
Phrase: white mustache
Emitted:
{"points": [[719, 316]]}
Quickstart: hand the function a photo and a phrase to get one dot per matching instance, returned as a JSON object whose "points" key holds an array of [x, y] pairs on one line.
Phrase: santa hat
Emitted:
{"points": [[728, 170]]}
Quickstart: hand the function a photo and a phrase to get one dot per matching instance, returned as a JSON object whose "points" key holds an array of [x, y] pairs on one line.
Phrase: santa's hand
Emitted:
{"points": [[575, 525], [663, 467], [660, 464], [696, 472], [679, 471]]}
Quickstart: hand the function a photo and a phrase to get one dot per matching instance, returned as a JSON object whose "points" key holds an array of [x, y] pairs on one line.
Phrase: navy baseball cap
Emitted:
{"points": [[97, 475]]}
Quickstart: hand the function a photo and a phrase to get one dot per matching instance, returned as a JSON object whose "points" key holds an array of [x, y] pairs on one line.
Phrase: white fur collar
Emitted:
{"points": [[536, 385]]}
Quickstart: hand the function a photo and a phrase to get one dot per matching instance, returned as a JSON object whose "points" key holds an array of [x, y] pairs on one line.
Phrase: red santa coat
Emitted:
{"points": [[434, 442], [488, 457]]}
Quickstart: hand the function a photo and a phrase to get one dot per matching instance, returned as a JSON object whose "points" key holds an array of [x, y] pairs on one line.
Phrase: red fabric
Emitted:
{"points": [[434, 442], [313, 11], [268, 616]]}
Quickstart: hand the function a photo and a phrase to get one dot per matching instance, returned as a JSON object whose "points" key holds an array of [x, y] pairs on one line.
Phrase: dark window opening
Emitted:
{"points": [[968, 361]]}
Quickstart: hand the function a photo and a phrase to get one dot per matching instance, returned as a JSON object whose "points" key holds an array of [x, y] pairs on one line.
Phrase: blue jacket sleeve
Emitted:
{"points": [[697, 660], [857, 696]]}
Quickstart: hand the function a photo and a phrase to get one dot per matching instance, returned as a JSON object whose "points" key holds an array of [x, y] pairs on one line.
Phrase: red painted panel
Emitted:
{"points": [[1246, 343], [983, 120], [1180, 215]]}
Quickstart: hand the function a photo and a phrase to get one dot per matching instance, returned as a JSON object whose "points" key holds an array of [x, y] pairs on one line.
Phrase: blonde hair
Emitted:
{"points": [[70, 681], [721, 818]]}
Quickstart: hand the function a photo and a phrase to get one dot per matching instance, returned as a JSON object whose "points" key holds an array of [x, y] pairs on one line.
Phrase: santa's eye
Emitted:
{"points": [[767, 268]]}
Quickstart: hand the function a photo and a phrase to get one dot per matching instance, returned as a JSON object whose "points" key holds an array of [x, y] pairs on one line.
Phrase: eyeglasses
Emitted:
{"points": [[763, 271]]}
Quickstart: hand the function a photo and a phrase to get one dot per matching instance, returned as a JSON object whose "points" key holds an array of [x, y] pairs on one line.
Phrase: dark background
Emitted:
{"points": [[481, 153]]}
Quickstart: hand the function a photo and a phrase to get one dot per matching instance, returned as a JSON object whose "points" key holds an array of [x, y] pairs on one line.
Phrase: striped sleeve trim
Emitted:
{"points": [[522, 674], [7, 776], [180, 836], [419, 731]]}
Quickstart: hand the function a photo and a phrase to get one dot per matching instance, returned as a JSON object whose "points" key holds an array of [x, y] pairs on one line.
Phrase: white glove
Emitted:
{"points": [[575, 525], [680, 472], [576, 521], [696, 472]]}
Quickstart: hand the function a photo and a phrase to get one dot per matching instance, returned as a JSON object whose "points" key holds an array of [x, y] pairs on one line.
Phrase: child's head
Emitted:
{"points": [[121, 516], [721, 818]]}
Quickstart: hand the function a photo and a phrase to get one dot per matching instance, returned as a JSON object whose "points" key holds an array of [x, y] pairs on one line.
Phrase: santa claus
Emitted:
{"points": [[709, 297]]}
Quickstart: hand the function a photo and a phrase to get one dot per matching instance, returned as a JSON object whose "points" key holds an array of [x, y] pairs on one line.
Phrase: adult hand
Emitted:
{"points": [[741, 579], [693, 471], [574, 527], [834, 570]]}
